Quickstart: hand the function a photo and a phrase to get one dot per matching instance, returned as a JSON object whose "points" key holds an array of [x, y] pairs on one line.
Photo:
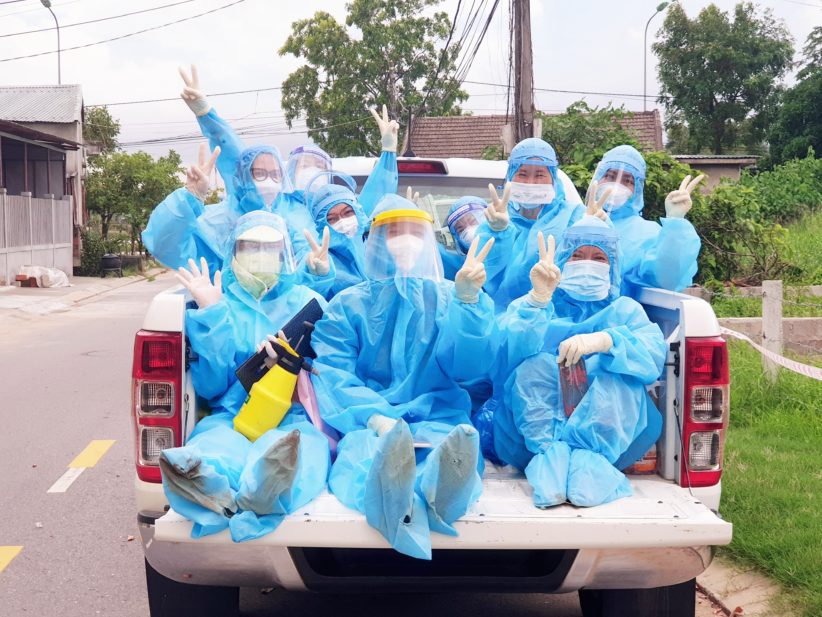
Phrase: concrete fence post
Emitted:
{"points": [[771, 324], [3, 213]]}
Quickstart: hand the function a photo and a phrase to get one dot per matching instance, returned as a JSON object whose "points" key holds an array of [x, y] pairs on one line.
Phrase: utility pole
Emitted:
{"points": [[523, 72]]}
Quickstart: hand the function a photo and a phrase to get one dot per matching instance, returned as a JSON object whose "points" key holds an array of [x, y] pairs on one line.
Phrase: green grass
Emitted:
{"points": [[772, 484], [794, 305], [805, 242]]}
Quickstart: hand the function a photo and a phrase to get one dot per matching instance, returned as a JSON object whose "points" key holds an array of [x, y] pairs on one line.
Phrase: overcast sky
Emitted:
{"points": [[235, 49]]}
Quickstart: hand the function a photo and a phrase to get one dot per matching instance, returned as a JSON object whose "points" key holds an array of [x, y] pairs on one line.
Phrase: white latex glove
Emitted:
{"points": [[317, 259], [199, 285], [412, 195], [593, 207], [471, 277], [381, 424], [198, 177], [572, 349], [678, 203], [267, 344], [389, 129], [545, 274], [497, 210], [192, 95]]}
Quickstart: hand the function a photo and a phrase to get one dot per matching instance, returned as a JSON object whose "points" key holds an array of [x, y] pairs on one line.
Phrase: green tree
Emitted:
{"points": [[100, 128], [719, 75], [129, 186], [390, 52], [798, 123]]}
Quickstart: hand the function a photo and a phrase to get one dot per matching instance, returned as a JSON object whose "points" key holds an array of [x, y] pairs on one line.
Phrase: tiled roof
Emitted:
{"points": [[62, 104], [456, 136], [468, 136]]}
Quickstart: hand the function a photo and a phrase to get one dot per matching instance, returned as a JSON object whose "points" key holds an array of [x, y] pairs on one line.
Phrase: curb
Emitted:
{"points": [[714, 597], [121, 282]]}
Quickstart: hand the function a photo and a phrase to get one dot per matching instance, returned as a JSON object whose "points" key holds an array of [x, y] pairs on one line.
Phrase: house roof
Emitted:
{"points": [[468, 136], [718, 159], [29, 134], [456, 136], [61, 104]]}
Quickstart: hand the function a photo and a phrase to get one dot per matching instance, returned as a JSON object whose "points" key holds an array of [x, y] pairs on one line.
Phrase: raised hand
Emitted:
{"points": [[198, 176], [412, 195], [593, 205], [545, 274], [317, 259], [471, 277], [678, 203], [199, 284], [191, 94], [497, 210], [389, 129]]}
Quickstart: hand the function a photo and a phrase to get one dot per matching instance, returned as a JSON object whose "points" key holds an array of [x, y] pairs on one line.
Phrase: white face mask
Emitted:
{"points": [[347, 226], [467, 236], [586, 280], [620, 194], [532, 195], [255, 274], [268, 190], [405, 250], [306, 175]]}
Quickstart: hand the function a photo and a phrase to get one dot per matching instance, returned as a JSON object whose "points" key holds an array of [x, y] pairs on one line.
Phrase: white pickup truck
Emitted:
{"points": [[636, 556]]}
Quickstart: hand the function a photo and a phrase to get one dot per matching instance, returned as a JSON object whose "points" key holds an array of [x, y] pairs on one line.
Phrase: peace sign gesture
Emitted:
{"points": [[497, 210], [191, 94], [197, 176], [545, 275], [678, 203], [593, 204], [317, 259], [388, 129], [412, 195], [471, 277]]}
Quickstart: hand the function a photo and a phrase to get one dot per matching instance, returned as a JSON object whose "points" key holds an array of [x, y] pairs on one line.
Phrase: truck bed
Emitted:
{"points": [[659, 534]]}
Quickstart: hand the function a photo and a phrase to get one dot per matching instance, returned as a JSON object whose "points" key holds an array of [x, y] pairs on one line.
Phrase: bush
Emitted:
{"points": [[94, 247], [788, 191]]}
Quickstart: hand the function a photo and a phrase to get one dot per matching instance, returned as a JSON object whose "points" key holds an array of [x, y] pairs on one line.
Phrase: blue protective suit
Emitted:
{"points": [[575, 458], [223, 465], [181, 227], [348, 253], [399, 349], [654, 254], [508, 278]]}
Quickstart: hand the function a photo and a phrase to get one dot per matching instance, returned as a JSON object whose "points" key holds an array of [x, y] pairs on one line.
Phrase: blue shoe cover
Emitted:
{"points": [[194, 488], [389, 495], [449, 482], [547, 474], [592, 480], [267, 481]]}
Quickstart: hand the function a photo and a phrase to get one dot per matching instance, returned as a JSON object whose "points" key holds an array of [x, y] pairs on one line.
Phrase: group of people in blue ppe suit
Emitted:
{"points": [[427, 358]]}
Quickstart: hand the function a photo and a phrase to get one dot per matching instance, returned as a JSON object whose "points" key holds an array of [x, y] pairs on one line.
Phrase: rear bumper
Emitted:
{"points": [[660, 536]]}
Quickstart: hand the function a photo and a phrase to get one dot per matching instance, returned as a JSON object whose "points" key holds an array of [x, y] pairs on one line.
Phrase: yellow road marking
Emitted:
{"points": [[7, 553], [92, 454]]}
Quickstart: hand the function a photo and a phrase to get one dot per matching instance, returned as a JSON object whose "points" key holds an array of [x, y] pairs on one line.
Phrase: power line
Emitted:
{"points": [[94, 21], [177, 98], [124, 36], [39, 8], [616, 94]]}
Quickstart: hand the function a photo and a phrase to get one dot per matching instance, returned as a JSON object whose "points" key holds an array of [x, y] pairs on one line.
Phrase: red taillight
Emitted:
{"points": [[421, 167], [706, 407], [156, 398]]}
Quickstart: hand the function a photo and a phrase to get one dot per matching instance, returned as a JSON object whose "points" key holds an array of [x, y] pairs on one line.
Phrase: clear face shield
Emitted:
{"points": [[532, 185], [305, 166], [262, 256], [463, 223], [267, 175], [401, 244], [619, 180]]}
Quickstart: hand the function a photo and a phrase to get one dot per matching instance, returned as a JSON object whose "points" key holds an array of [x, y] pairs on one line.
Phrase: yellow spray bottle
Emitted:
{"points": [[270, 397]]}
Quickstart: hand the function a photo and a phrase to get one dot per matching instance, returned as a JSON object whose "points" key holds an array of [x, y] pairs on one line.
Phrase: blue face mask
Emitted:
{"points": [[586, 280]]}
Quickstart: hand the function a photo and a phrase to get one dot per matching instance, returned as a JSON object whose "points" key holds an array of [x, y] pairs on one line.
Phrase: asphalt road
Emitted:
{"points": [[66, 383]]}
